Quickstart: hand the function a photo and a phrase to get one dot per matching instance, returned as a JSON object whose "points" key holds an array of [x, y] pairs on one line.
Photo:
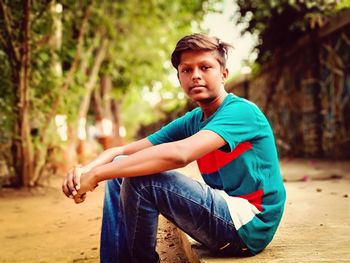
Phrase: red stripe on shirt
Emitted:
{"points": [[255, 198], [214, 160]]}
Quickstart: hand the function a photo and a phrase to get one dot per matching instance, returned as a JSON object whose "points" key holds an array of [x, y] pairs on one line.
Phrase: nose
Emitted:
{"points": [[196, 74]]}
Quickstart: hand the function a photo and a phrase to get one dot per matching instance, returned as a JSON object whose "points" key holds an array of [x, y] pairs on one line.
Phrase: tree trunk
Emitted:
{"points": [[72, 70], [42, 150], [22, 147], [119, 130], [18, 50], [84, 106], [40, 153], [103, 116], [107, 115]]}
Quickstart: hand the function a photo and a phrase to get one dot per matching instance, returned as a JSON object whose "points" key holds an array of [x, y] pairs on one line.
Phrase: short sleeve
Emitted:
{"points": [[178, 129], [238, 122]]}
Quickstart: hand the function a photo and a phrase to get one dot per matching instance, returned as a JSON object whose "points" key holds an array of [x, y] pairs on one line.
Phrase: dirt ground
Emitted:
{"points": [[315, 226], [42, 225]]}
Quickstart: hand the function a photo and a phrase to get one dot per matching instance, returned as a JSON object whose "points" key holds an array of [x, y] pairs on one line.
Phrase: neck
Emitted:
{"points": [[209, 107]]}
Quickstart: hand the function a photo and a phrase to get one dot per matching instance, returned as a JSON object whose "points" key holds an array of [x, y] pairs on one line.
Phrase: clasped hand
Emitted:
{"points": [[78, 182]]}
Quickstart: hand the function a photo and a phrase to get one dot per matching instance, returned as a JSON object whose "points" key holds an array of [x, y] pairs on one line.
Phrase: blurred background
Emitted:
{"points": [[77, 77]]}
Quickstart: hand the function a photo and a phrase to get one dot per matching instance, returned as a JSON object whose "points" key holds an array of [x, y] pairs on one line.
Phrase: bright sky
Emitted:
{"points": [[222, 25]]}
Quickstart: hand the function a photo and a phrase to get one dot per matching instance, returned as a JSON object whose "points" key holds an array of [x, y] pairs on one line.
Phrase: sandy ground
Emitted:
{"points": [[42, 225], [316, 223]]}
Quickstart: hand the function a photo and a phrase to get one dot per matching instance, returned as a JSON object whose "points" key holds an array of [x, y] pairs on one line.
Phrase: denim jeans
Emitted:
{"points": [[131, 210]]}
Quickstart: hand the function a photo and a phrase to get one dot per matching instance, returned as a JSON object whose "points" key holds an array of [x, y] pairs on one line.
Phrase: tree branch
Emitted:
{"points": [[70, 75], [90, 84], [85, 60], [42, 11], [2, 41], [46, 38]]}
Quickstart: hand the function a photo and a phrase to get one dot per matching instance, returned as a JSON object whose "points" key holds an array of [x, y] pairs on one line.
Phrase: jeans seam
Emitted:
{"points": [[205, 208], [136, 224]]}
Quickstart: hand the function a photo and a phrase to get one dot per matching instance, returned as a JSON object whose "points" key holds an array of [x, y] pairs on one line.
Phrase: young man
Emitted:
{"points": [[238, 208]]}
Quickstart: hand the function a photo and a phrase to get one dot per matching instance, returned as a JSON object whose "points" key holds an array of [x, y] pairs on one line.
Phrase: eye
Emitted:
{"points": [[186, 70], [204, 68]]}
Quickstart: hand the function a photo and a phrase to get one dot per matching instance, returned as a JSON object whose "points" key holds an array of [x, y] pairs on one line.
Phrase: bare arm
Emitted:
{"points": [[108, 155], [70, 188], [154, 159]]}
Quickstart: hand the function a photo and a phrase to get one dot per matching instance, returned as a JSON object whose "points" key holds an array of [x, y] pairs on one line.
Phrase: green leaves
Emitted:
{"points": [[280, 23], [141, 36]]}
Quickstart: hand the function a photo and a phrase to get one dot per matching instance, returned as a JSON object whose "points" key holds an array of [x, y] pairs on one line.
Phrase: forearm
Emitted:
{"points": [[148, 161], [105, 157], [108, 155]]}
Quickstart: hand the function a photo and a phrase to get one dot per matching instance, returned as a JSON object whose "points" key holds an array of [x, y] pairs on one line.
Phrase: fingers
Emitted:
{"points": [[77, 182], [71, 183], [79, 198], [65, 189], [76, 178], [67, 185]]}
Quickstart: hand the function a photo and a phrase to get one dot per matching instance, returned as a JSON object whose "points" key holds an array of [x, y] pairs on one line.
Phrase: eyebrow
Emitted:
{"points": [[190, 64]]}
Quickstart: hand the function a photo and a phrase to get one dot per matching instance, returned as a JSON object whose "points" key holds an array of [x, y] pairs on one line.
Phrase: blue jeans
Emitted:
{"points": [[131, 210]]}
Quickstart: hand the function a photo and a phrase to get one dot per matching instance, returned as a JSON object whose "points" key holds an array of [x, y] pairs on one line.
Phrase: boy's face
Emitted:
{"points": [[201, 75]]}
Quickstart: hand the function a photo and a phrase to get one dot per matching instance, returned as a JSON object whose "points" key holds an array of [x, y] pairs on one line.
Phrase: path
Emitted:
{"points": [[43, 226]]}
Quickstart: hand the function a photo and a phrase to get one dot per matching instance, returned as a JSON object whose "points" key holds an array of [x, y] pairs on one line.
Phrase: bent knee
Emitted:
{"points": [[135, 181], [144, 181], [113, 185]]}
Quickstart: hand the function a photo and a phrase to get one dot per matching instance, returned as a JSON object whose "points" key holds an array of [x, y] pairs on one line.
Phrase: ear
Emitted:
{"points": [[178, 77], [225, 74]]}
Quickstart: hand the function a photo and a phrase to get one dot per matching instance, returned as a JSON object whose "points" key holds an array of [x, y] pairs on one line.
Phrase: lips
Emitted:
{"points": [[196, 88]]}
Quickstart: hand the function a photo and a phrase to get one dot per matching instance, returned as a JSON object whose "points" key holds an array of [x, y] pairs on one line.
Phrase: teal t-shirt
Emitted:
{"points": [[246, 169]]}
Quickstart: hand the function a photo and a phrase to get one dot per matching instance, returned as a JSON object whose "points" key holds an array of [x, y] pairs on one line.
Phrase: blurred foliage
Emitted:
{"points": [[6, 100], [280, 23], [139, 55], [65, 37], [343, 4], [142, 35]]}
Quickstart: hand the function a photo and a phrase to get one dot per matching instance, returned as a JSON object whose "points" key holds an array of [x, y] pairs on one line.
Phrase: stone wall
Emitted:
{"points": [[305, 93]]}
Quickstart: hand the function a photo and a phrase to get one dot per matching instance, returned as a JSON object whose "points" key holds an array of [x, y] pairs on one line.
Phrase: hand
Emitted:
{"points": [[71, 183], [79, 198], [87, 183]]}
